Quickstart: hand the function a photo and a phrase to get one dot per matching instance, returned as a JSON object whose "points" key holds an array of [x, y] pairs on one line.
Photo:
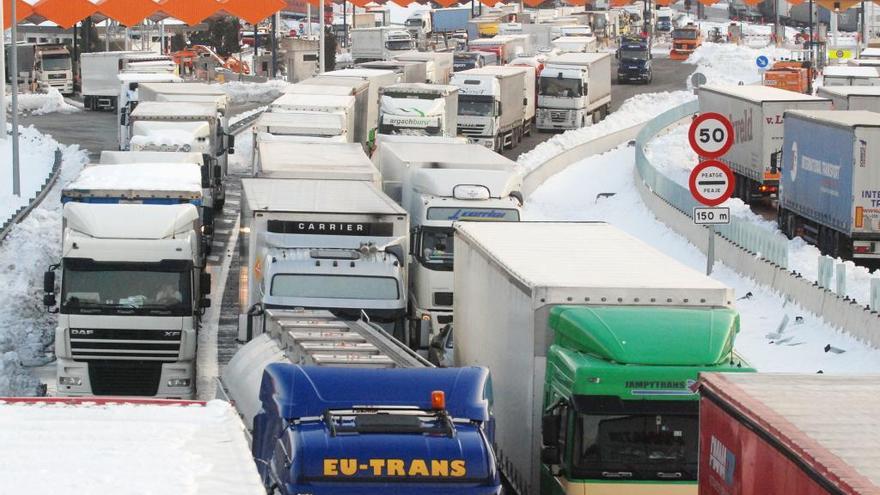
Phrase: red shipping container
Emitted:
{"points": [[784, 434]]}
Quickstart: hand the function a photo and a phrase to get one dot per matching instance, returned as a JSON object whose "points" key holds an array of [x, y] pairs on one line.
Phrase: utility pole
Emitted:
{"points": [[3, 84], [812, 55], [274, 42], [13, 60], [321, 47]]}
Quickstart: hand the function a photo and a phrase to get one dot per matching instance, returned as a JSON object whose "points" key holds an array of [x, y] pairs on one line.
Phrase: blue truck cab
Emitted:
{"points": [[634, 60], [340, 430]]}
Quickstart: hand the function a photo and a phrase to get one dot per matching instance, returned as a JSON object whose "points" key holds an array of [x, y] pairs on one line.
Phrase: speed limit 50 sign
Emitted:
{"points": [[711, 135]]}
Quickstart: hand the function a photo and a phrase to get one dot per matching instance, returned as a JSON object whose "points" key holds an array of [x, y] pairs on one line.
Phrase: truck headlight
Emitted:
{"points": [[73, 381], [178, 382]]}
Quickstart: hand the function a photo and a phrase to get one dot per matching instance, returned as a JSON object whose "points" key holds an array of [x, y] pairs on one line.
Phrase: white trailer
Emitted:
{"points": [[438, 65], [846, 75], [572, 88], [341, 86], [756, 113], [380, 43], [128, 98], [303, 127], [852, 97], [410, 71], [491, 106], [377, 79], [329, 104], [98, 71], [427, 109], [328, 161], [529, 74], [509, 275]]}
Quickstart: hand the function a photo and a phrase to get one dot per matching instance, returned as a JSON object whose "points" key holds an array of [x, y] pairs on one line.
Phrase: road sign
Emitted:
{"points": [[762, 61], [711, 182], [711, 216], [711, 135], [698, 79]]}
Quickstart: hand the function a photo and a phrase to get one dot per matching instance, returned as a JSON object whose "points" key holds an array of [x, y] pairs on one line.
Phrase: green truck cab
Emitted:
{"points": [[620, 406]]}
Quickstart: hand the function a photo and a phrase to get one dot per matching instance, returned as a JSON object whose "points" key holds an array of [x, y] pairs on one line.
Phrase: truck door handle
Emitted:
{"points": [[669, 476]]}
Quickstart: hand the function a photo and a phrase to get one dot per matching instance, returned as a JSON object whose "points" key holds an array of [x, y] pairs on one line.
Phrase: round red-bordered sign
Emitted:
{"points": [[711, 182], [711, 135]]}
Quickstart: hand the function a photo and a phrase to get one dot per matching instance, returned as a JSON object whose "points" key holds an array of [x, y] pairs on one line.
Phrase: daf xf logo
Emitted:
{"points": [[82, 332], [172, 333]]}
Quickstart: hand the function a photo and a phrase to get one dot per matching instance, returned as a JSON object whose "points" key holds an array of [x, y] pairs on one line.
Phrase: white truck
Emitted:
{"points": [[376, 79], [418, 109], [185, 127], [341, 86], [42, 65], [99, 71], [491, 107], [439, 184], [339, 245], [505, 47], [573, 87], [846, 75], [575, 44], [409, 71], [128, 98], [852, 97], [303, 127], [328, 161], [757, 114], [380, 43], [419, 26], [132, 295], [509, 279], [438, 65], [529, 94], [332, 105]]}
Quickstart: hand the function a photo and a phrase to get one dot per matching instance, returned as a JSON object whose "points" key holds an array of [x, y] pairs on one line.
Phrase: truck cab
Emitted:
{"points": [[419, 26], [634, 60], [479, 108], [685, 40], [564, 88], [473, 60], [128, 99], [53, 68], [131, 300], [418, 109]]}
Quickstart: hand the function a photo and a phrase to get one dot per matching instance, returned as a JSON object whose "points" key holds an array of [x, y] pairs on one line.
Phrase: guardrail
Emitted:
{"points": [[244, 123], [750, 250], [23, 212]]}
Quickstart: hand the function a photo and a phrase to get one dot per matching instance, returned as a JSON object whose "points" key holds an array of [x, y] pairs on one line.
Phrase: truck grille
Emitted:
{"points": [[57, 76], [471, 130], [443, 299], [119, 344], [559, 116], [125, 377]]}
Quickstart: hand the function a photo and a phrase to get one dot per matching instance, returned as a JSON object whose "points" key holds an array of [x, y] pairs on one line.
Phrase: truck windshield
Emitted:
{"points": [[633, 55], [412, 96], [398, 45], [684, 34], [126, 288], [437, 247], [561, 88], [476, 106], [314, 286], [58, 62], [414, 22], [636, 446]]}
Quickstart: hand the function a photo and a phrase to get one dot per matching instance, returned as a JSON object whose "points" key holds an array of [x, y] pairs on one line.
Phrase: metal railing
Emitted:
{"points": [[768, 245]]}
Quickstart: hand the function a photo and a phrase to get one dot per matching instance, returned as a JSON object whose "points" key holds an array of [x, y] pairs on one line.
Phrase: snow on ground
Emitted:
{"points": [[42, 103], [636, 110], [572, 196], [672, 155], [125, 449], [725, 63], [26, 329], [36, 157], [253, 92]]}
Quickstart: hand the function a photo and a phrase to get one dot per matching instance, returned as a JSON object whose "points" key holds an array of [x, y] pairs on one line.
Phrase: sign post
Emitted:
{"points": [[711, 181]]}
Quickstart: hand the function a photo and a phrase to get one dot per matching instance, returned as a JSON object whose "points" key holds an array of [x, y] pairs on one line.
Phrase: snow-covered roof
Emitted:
{"points": [[758, 93], [851, 90], [845, 118], [116, 221], [175, 109], [286, 159], [420, 88], [872, 52], [354, 83], [365, 73], [311, 101], [147, 77], [307, 122], [125, 448], [576, 58], [118, 157], [313, 88], [443, 181], [186, 88], [851, 71], [176, 177], [325, 196], [464, 156]]}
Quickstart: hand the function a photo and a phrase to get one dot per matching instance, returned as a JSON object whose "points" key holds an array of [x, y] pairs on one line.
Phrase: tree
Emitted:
{"points": [[178, 42], [221, 36], [329, 49]]}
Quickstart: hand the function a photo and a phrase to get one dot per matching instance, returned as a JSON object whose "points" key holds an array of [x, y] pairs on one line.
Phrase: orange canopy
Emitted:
{"points": [[837, 4], [65, 13], [22, 12], [253, 11], [128, 13]]}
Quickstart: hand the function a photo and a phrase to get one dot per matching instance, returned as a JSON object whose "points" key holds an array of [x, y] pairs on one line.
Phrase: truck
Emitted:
{"points": [[828, 192], [600, 350], [99, 71], [438, 65], [529, 92], [376, 79], [338, 245], [573, 87], [128, 85], [634, 60], [418, 109], [131, 299], [439, 184], [342, 86], [847, 75], [473, 60], [183, 446], [852, 97], [361, 399], [185, 127], [756, 113], [420, 26], [42, 66], [450, 20], [769, 433], [328, 161], [664, 19], [409, 71], [491, 107], [685, 40], [505, 47], [575, 44], [306, 127], [380, 43], [337, 106]]}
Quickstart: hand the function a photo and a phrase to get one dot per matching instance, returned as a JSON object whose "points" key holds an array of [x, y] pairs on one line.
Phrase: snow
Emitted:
{"points": [[140, 176], [725, 63], [252, 92], [42, 103], [636, 110], [241, 116], [125, 449], [572, 196], [27, 331], [36, 157]]}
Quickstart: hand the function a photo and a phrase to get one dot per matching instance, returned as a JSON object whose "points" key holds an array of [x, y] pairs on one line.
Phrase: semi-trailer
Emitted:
{"points": [[491, 107], [829, 190], [438, 65], [98, 71], [788, 433], [528, 73], [756, 113], [847, 75], [409, 71], [439, 184], [380, 43], [328, 161], [131, 299], [573, 87], [852, 97], [376, 79], [418, 109], [127, 100], [634, 60], [305, 127], [338, 245], [594, 340], [451, 20], [335, 105], [343, 86], [340, 406]]}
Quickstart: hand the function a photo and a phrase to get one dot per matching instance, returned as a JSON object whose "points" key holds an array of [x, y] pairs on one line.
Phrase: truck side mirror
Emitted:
{"points": [[49, 300], [49, 282], [205, 283], [550, 455], [206, 176], [525, 101], [230, 144], [218, 173], [550, 425], [205, 303]]}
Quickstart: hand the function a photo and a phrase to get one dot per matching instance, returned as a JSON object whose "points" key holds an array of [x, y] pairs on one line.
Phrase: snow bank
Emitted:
{"points": [[572, 196], [724, 63], [42, 103], [636, 110], [36, 157], [125, 449], [252, 92], [26, 329]]}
